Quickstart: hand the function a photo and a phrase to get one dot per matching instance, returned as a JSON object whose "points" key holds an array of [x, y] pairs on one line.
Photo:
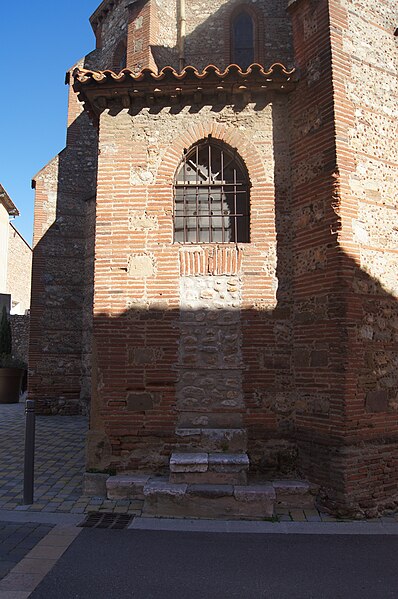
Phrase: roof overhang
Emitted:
{"points": [[7, 202], [105, 89]]}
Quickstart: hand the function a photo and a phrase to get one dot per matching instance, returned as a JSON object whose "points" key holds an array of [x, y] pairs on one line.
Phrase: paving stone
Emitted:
{"points": [[60, 457]]}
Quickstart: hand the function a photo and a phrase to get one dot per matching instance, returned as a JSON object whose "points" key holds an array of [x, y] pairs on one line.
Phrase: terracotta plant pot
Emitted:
{"points": [[10, 384]]}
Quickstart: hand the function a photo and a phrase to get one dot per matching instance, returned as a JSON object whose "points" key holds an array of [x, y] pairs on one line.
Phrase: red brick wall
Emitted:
{"points": [[141, 310]]}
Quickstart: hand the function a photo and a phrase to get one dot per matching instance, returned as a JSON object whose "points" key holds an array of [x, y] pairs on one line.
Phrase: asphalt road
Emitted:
{"points": [[111, 564]]}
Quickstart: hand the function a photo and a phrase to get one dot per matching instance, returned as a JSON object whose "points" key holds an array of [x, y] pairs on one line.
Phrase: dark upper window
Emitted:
{"points": [[211, 195], [120, 56], [243, 51]]}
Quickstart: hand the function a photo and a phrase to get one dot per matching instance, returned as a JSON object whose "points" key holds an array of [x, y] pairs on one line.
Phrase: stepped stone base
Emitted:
{"points": [[247, 502], [209, 501]]}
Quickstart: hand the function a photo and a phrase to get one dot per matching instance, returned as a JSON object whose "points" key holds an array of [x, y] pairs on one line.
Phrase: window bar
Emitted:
{"points": [[222, 195], [184, 191], [209, 195], [235, 209], [197, 195]]}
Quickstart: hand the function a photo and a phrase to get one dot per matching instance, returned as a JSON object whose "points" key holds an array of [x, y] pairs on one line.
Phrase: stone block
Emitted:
{"points": [[189, 462], [126, 486], [377, 401], [228, 462], [211, 501], [216, 478], [210, 420], [214, 439], [210, 491], [155, 488], [294, 493], [319, 358], [94, 484], [255, 493], [140, 266], [139, 402]]}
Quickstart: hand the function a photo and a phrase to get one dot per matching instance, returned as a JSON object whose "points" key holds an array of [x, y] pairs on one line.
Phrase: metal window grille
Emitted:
{"points": [[211, 196]]}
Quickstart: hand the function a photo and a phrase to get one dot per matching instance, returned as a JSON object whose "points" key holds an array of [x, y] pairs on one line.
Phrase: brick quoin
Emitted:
{"points": [[291, 337]]}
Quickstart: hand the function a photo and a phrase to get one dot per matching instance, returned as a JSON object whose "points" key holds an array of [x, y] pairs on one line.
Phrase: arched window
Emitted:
{"points": [[120, 56], [243, 35], [211, 195]]}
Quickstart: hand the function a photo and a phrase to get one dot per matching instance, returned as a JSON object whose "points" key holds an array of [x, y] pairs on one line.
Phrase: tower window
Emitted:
{"points": [[211, 196], [243, 51], [120, 56]]}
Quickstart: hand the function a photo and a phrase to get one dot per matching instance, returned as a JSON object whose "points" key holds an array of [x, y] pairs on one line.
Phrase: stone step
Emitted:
{"points": [[202, 467], [209, 501], [213, 439]]}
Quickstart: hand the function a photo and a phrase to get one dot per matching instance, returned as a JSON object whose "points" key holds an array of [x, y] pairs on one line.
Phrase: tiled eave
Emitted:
{"points": [[7, 202], [105, 89]]}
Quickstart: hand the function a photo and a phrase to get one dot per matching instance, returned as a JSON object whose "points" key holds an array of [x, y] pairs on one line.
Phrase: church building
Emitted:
{"points": [[216, 256]]}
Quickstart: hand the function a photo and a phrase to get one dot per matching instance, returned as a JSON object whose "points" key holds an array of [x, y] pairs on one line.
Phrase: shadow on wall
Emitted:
{"points": [[325, 409], [210, 41]]}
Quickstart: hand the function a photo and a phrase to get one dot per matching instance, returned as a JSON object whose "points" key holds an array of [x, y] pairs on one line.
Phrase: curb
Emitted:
{"points": [[236, 526]]}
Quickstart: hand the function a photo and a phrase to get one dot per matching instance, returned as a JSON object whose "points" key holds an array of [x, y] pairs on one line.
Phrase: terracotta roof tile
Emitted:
{"points": [[277, 70]]}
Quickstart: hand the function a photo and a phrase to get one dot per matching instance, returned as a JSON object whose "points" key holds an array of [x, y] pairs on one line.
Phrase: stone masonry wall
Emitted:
{"points": [[60, 274], [319, 330], [345, 296], [150, 29], [208, 32], [366, 102], [170, 331], [20, 336], [19, 270]]}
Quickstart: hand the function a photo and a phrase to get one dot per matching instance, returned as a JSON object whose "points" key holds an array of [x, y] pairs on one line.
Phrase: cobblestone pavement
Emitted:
{"points": [[16, 540], [59, 465]]}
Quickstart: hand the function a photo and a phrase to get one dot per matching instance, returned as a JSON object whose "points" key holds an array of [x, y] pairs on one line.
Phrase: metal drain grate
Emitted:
{"points": [[106, 520]]}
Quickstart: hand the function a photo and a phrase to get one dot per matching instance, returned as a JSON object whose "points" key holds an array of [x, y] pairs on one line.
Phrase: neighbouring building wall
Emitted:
{"points": [[20, 336], [4, 225], [19, 271]]}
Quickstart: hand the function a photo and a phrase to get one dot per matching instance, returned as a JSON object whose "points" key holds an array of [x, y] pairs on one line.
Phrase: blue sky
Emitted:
{"points": [[39, 41]]}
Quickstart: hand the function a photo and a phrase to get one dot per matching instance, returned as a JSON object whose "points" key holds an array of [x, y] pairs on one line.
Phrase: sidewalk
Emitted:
{"points": [[59, 465]]}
